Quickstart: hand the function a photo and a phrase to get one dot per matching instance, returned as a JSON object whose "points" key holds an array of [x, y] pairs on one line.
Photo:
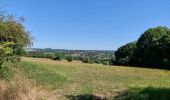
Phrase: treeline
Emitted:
{"points": [[89, 56], [152, 50]]}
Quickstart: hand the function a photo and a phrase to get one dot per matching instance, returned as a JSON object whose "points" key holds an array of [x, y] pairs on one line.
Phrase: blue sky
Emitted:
{"points": [[88, 24]]}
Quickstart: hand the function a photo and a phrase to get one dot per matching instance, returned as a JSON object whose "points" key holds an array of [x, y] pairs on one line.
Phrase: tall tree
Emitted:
{"points": [[152, 49], [148, 51], [124, 54]]}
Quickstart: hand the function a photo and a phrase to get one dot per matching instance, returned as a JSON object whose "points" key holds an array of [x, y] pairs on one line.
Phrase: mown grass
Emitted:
{"points": [[114, 82]]}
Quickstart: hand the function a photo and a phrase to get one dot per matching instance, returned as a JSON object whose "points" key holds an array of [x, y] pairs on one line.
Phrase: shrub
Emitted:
{"points": [[5, 73], [112, 61], [69, 58], [57, 57], [87, 60], [13, 41], [105, 62], [97, 61]]}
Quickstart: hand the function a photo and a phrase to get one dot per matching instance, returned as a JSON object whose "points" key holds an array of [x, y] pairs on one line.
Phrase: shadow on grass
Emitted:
{"points": [[85, 97], [149, 93]]}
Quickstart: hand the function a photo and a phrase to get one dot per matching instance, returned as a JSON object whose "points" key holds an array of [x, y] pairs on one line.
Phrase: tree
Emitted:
{"points": [[57, 57], [125, 53], [112, 61], [13, 41], [152, 49], [13, 38], [148, 51], [69, 58], [165, 50]]}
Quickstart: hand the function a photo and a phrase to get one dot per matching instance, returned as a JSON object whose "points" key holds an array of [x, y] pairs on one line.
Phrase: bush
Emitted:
{"points": [[5, 72], [112, 61], [70, 59], [57, 58], [87, 60], [105, 62], [97, 61], [13, 40]]}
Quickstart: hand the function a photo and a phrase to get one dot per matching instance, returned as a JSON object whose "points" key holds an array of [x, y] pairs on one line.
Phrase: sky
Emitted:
{"points": [[88, 24]]}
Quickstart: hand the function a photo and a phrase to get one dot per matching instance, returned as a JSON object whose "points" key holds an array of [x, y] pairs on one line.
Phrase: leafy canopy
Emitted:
{"points": [[13, 38], [152, 49]]}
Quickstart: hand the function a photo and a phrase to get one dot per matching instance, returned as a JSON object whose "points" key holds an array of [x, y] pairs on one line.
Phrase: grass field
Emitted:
{"points": [[78, 81]]}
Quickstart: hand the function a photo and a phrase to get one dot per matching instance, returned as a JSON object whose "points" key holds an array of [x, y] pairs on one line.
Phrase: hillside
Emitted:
{"points": [[75, 80]]}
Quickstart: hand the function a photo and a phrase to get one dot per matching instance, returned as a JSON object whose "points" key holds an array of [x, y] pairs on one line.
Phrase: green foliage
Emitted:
{"points": [[57, 57], [5, 72], [13, 40], [69, 58], [112, 61], [87, 60], [152, 49], [36, 54], [149, 46], [97, 61], [12, 30], [105, 62], [125, 53], [95, 56]]}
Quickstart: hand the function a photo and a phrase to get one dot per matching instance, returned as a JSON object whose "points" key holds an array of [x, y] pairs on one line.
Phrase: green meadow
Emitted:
{"points": [[79, 81]]}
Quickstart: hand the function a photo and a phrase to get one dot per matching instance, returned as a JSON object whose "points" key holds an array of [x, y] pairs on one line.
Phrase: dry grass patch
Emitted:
{"points": [[20, 88]]}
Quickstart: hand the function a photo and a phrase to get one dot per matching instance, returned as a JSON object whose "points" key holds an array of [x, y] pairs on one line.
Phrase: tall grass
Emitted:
{"points": [[14, 85], [21, 88], [42, 75]]}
